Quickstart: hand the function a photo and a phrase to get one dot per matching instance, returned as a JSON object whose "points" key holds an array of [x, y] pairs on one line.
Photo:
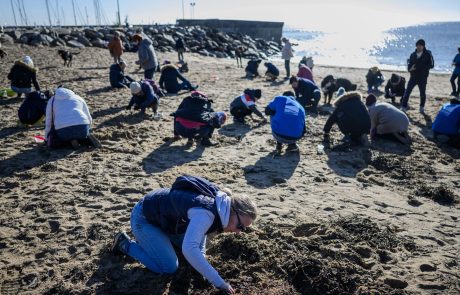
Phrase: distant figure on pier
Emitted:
{"points": [[180, 48]]}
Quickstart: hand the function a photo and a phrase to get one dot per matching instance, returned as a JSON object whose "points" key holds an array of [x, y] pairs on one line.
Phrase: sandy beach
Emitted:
{"points": [[363, 220]]}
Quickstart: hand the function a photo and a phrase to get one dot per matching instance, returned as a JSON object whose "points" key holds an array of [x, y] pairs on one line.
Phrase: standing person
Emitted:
{"points": [[287, 54], [351, 116], [169, 79], [68, 114], [395, 87], [144, 97], [195, 118], [287, 121], [239, 56], [307, 93], [117, 76], [180, 48], [446, 126], [245, 104], [184, 215], [33, 108], [456, 75], [387, 121], [116, 47], [419, 64], [272, 71], [22, 75], [147, 57]]}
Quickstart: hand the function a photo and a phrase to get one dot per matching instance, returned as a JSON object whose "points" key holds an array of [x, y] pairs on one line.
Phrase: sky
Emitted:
{"points": [[321, 15]]}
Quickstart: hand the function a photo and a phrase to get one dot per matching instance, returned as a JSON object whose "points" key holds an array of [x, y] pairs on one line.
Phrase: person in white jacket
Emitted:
{"points": [[70, 116], [287, 54]]}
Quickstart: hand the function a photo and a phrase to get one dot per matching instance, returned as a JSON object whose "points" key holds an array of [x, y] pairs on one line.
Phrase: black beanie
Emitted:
{"points": [[420, 42], [257, 93]]}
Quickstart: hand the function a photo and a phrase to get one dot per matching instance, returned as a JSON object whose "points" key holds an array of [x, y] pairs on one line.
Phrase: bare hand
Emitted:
{"points": [[227, 289]]}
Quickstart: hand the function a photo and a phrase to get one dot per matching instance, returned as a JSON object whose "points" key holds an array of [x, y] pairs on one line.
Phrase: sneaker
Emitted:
{"points": [[293, 147], [421, 110], [120, 244], [279, 147], [75, 144], [94, 141], [157, 116], [207, 142]]}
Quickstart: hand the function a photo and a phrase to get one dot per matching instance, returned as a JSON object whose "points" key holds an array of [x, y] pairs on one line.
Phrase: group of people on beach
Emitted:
{"points": [[193, 207]]}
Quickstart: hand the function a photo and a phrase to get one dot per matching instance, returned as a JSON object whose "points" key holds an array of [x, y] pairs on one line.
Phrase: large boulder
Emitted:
{"points": [[41, 39], [91, 34], [99, 43], [61, 32], [27, 37], [75, 44], [14, 34], [57, 42], [6, 39], [83, 40]]}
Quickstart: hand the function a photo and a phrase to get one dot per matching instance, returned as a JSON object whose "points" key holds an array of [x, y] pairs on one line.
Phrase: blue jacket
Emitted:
{"points": [[116, 76], [146, 99], [271, 68], [448, 120], [287, 117], [168, 208], [32, 108], [456, 61], [168, 79]]}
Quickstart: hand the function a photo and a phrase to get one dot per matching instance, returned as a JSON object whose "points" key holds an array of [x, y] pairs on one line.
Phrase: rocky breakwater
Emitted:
{"points": [[204, 41]]}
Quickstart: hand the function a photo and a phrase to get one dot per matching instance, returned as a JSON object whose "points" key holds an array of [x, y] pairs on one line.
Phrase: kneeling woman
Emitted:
{"points": [[183, 215]]}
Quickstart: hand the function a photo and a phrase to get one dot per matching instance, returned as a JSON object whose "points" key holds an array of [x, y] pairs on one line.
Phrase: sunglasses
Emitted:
{"points": [[240, 225]]}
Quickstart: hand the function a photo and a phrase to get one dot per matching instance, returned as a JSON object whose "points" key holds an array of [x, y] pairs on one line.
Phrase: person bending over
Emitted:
{"points": [[245, 104], [144, 97]]}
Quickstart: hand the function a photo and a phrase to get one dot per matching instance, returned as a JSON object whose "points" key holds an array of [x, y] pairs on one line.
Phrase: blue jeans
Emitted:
{"points": [[148, 74], [153, 247], [452, 83], [410, 86], [20, 91], [287, 66], [73, 132]]}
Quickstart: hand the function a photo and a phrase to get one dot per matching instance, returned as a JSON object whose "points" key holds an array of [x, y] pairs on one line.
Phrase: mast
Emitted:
{"points": [[74, 15], [119, 20], [14, 14], [48, 11]]}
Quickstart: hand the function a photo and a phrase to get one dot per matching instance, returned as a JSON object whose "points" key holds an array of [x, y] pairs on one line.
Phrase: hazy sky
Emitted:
{"points": [[308, 14]]}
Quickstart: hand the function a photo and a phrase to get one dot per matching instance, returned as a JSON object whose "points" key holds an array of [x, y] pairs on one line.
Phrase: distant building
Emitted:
{"points": [[270, 31]]}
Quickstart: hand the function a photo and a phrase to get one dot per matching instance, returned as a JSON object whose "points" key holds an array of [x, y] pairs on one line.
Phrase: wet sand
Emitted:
{"points": [[352, 220]]}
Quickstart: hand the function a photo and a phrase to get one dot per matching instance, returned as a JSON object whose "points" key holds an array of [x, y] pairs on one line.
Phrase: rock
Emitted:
{"points": [[62, 32], [427, 267], [41, 40], [75, 44], [99, 43], [203, 52], [14, 34], [91, 34], [83, 40], [54, 225], [6, 39], [364, 251], [395, 283], [27, 37], [58, 42]]}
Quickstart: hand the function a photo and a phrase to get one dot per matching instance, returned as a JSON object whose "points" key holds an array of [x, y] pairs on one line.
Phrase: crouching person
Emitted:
{"points": [[117, 76], [33, 108], [387, 121], [68, 120], [195, 118], [183, 216], [351, 116], [245, 104], [287, 120], [446, 126], [395, 87], [307, 92], [252, 68], [169, 79], [272, 71], [144, 97]]}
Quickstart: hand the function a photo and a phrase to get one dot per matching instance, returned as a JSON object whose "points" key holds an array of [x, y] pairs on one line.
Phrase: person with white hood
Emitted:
{"points": [[68, 118], [183, 215], [22, 75]]}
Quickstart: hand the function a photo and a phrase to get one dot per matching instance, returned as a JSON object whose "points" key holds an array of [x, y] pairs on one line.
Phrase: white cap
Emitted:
{"points": [[135, 87], [28, 61]]}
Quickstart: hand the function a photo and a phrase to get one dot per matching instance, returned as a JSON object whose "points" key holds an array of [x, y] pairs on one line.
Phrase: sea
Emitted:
{"points": [[388, 49]]}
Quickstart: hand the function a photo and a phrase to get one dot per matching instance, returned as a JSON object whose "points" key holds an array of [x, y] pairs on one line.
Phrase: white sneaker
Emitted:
{"points": [[422, 110], [157, 116]]}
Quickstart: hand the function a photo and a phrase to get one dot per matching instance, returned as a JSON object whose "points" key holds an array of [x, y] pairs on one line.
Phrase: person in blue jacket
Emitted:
{"points": [[456, 75], [33, 108], [117, 76], [446, 126], [307, 93], [272, 71], [144, 97], [287, 120], [169, 76], [183, 216]]}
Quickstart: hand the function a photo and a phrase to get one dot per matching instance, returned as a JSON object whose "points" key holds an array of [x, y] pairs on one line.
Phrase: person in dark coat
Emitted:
{"points": [[195, 118], [395, 87], [168, 79], [239, 56], [22, 75], [180, 48], [33, 108], [272, 71], [419, 64], [374, 79], [456, 75], [252, 68], [307, 93], [245, 104], [351, 116], [117, 76], [144, 97]]}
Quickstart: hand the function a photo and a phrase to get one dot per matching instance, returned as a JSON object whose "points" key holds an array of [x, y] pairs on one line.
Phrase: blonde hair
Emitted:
{"points": [[243, 205]]}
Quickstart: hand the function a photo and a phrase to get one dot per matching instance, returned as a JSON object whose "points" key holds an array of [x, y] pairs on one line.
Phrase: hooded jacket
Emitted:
{"points": [[22, 76], [448, 120], [116, 76], [422, 64], [350, 114], [196, 109], [253, 66], [305, 72], [32, 108], [147, 98], [68, 110], [168, 78], [397, 89], [386, 118], [272, 69], [305, 90], [147, 57], [287, 117]]}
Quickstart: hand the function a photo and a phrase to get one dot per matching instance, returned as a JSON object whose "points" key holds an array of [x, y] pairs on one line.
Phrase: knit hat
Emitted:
{"points": [[135, 87], [28, 61], [420, 42], [257, 93], [395, 79], [371, 99], [292, 79], [341, 91], [222, 117]]}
